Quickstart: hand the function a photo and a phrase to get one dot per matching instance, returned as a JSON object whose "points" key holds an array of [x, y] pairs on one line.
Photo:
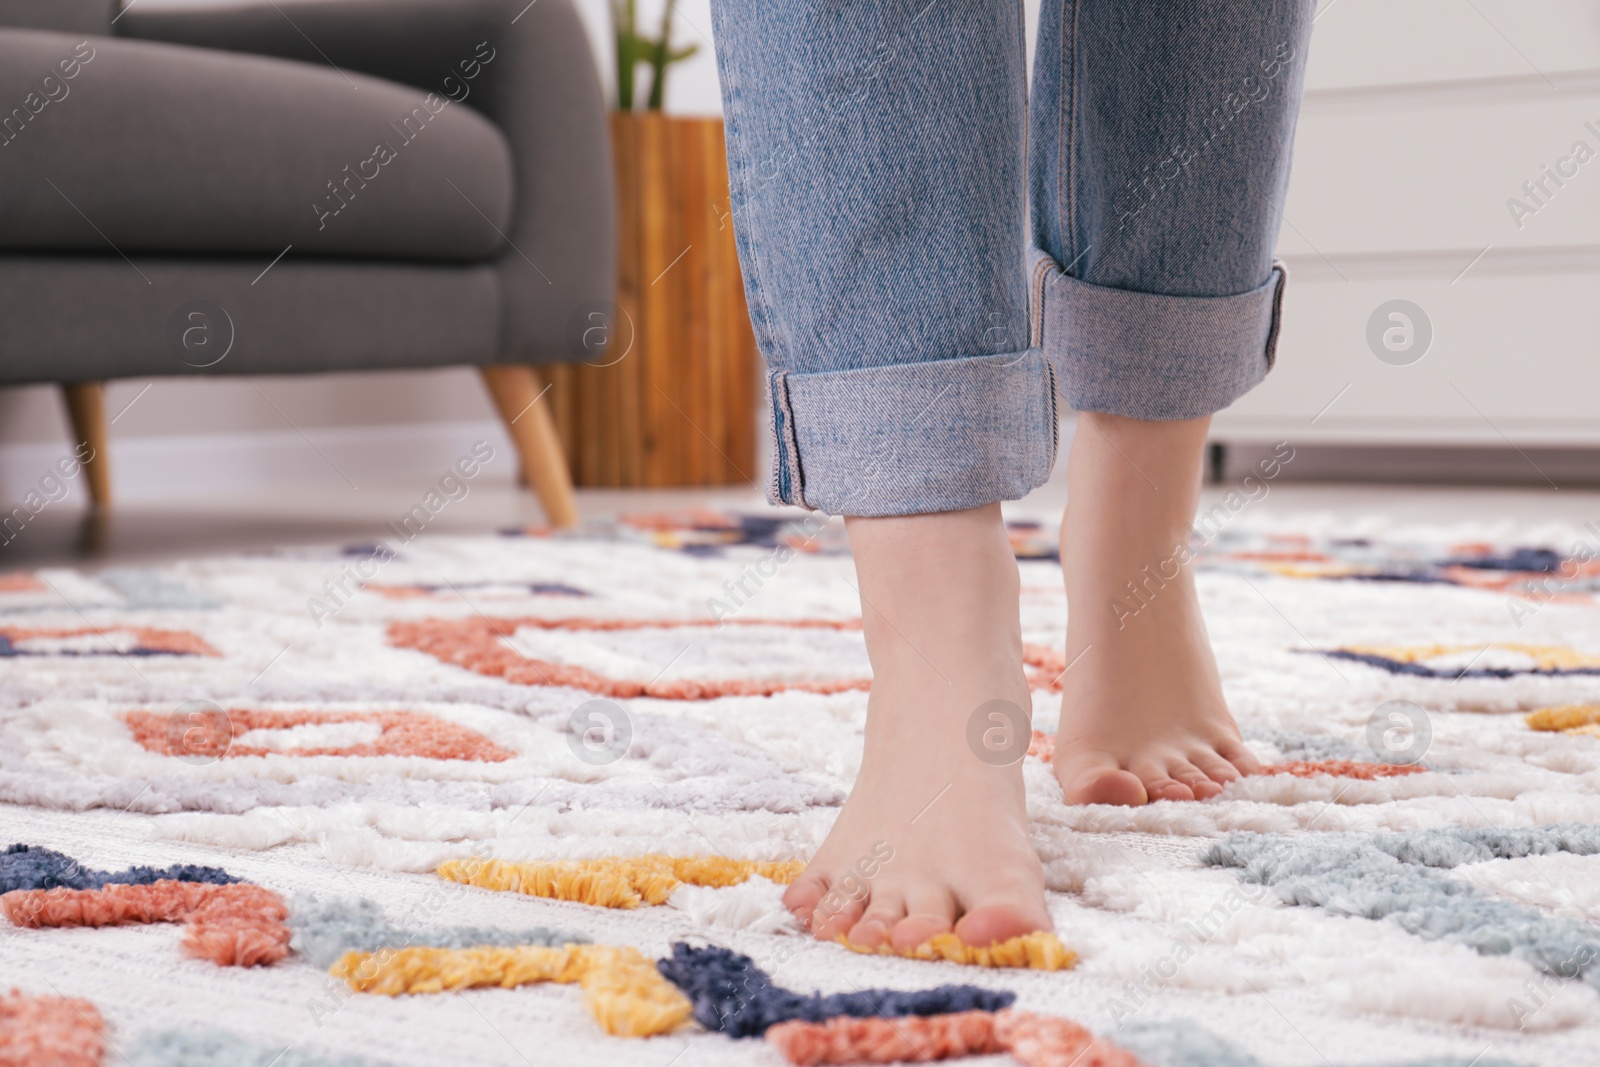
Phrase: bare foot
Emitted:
{"points": [[934, 837], [1142, 714]]}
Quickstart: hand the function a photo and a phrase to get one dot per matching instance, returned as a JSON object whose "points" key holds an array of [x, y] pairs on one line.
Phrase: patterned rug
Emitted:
{"points": [[526, 799]]}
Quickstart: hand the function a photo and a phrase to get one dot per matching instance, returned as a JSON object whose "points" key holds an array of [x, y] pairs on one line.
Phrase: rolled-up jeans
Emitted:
{"points": [[916, 340]]}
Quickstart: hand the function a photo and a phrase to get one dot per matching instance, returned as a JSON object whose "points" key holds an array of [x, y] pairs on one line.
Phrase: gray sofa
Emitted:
{"points": [[293, 186]]}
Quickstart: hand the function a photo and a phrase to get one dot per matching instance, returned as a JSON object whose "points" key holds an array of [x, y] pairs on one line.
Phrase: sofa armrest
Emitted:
{"points": [[527, 67]]}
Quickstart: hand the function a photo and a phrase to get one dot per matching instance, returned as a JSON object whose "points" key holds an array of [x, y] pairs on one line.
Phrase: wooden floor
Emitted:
{"points": [[138, 531]]}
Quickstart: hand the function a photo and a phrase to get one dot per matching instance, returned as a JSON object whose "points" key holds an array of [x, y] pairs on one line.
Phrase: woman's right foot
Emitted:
{"points": [[934, 838]]}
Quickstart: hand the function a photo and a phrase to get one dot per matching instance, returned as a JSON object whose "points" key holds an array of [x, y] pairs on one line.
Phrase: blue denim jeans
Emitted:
{"points": [[916, 340]]}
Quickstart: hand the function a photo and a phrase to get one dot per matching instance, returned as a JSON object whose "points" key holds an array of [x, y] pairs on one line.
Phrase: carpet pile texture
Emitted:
{"points": [[534, 799]]}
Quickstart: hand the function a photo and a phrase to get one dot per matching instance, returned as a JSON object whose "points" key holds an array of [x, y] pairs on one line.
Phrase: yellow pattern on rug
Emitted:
{"points": [[1035, 952], [1577, 719], [624, 991], [614, 882], [1544, 657]]}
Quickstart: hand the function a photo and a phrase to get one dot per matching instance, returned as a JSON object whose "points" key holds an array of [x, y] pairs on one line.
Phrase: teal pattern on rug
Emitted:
{"points": [[1187, 1045], [220, 1048], [324, 930], [1392, 877]]}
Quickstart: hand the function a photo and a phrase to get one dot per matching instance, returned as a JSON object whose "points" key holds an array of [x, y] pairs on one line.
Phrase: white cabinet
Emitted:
{"points": [[1425, 121]]}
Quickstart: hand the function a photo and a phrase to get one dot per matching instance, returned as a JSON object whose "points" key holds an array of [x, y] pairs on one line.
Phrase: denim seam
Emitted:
{"points": [[1041, 275], [785, 486], [774, 486], [1068, 128], [1055, 412], [761, 314], [1282, 270]]}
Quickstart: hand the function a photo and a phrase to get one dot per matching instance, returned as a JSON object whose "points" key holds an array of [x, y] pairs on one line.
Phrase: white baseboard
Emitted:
{"points": [[179, 466], [150, 468]]}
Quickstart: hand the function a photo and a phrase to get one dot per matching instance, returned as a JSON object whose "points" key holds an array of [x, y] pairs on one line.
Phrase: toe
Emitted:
{"points": [[804, 893], [987, 925], [930, 911], [1096, 778], [1159, 784], [871, 931], [1241, 757], [831, 922], [839, 909], [1110, 786], [887, 909], [1198, 782], [1216, 768]]}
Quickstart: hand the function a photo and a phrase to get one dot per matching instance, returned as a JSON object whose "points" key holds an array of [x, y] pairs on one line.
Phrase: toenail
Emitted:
{"points": [[867, 926]]}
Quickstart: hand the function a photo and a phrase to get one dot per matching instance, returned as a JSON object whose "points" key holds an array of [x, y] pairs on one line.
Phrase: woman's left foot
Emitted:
{"points": [[1143, 716]]}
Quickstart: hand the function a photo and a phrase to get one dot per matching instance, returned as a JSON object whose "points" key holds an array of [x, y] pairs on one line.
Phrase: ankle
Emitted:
{"points": [[927, 557], [1156, 441], [1133, 488]]}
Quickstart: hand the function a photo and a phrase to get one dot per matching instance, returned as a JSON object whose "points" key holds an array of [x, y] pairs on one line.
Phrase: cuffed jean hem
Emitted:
{"points": [[913, 438], [1149, 356]]}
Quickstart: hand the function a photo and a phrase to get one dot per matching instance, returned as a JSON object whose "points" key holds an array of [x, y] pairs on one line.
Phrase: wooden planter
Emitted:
{"points": [[674, 401]]}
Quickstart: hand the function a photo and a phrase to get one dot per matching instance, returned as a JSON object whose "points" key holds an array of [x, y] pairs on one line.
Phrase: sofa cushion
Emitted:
{"points": [[90, 318], [528, 67], [69, 16], [128, 147]]}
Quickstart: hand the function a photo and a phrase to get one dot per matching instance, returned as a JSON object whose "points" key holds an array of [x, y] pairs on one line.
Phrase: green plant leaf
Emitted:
{"points": [[625, 26], [661, 58]]}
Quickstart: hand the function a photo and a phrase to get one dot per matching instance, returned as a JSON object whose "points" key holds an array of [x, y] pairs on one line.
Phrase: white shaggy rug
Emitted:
{"points": [[386, 708]]}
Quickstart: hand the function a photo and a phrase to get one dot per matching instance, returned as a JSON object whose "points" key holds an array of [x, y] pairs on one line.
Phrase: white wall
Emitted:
{"points": [[1423, 121]]}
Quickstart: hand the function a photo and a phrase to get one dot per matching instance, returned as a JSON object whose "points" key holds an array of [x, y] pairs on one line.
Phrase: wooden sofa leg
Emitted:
{"points": [[517, 393], [86, 409]]}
